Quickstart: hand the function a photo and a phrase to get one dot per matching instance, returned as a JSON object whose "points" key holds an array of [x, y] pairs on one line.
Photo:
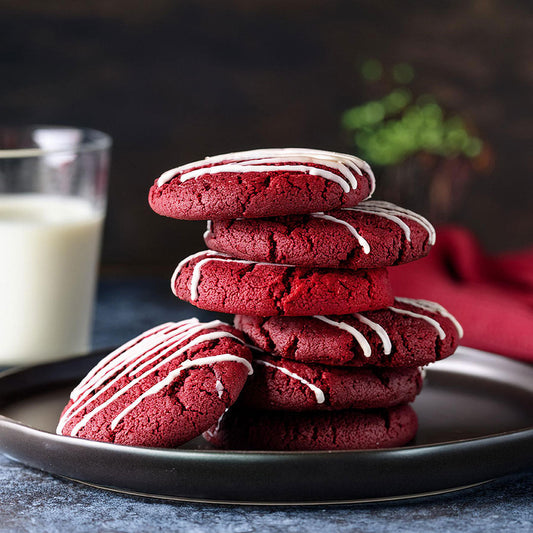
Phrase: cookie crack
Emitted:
{"points": [[386, 418], [269, 343], [384, 380], [287, 281], [272, 247]]}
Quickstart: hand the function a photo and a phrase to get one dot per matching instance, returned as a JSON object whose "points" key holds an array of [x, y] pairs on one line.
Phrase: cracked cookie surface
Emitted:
{"points": [[260, 183], [372, 234], [324, 430], [218, 282], [282, 384], [409, 333], [162, 388]]}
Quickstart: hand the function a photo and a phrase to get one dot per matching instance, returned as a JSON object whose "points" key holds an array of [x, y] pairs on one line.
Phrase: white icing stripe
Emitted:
{"points": [[131, 357], [300, 159], [383, 335], [131, 353], [319, 394], [253, 347], [211, 256], [219, 388], [315, 158], [208, 229], [433, 322], [385, 214], [200, 338], [401, 212], [160, 345], [245, 169], [407, 213], [115, 354], [363, 242], [359, 337], [350, 178], [214, 429], [348, 159], [195, 278], [433, 307], [182, 263], [197, 272], [188, 363], [157, 344], [197, 340]]}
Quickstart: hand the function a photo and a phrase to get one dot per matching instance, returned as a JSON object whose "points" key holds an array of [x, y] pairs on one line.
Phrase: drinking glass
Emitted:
{"points": [[53, 183]]}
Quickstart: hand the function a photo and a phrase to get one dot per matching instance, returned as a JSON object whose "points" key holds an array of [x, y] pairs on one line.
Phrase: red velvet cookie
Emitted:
{"points": [[322, 430], [218, 282], [162, 388], [261, 183], [282, 384], [372, 234], [410, 333]]}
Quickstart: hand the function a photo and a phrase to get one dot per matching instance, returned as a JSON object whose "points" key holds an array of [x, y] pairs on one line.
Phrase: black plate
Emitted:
{"points": [[476, 423]]}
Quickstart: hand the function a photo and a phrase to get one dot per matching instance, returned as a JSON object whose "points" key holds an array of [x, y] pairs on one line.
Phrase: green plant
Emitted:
{"points": [[389, 130]]}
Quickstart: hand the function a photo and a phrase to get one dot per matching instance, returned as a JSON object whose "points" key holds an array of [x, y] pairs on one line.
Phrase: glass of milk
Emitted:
{"points": [[53, 183]]}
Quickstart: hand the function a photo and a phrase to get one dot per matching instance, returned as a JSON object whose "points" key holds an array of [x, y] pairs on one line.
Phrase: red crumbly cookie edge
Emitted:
{"points": [[181, 411], [314, 431], [309, 340], [308, 241], [230, 286], [252, 195], [282, 384]]}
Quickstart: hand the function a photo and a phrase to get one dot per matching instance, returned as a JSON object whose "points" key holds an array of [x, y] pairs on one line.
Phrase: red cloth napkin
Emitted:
{"points": [[492, 297]]}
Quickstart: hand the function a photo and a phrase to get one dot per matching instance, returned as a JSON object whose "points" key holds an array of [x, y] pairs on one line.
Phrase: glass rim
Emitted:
{"points": [[99, 141]]}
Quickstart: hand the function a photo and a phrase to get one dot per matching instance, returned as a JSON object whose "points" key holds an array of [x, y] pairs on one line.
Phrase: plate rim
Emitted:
{"points": [[248, 453], [240, 460], [461, 349], [359, 501]]}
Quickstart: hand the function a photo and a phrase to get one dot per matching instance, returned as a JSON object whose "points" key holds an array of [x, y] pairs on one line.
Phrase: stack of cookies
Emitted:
{"points": [[299, 254]]}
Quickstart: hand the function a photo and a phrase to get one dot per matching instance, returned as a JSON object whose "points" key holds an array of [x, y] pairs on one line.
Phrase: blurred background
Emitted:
{"points": [[435, 95]]}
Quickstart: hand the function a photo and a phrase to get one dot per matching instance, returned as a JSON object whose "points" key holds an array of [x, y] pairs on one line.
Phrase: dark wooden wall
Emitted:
{"points": [[174, 81]]}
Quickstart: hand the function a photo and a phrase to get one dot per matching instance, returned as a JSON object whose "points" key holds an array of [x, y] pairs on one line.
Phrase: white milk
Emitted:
{"points": [[49, 248]]}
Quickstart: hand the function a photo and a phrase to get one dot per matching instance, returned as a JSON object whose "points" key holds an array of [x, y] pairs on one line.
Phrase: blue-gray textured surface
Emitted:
{"points": [[34, 501]]}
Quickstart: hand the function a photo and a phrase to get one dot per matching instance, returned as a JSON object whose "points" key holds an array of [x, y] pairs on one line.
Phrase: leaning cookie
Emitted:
{"points": [[409, 333], [324, 430], [372, 234], [218, 282], [282, 384], [261, 183], [162, 388]]}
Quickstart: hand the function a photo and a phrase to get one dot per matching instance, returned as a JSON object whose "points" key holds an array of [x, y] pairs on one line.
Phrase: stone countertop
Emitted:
{"points": [[34, 501]]}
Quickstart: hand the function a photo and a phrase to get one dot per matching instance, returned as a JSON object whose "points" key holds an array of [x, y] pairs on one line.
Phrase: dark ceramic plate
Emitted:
{"points": [[476, 423]]}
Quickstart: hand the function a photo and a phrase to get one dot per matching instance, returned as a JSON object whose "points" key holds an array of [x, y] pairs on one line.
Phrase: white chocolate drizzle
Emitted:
{"points": [[188, 363], [219, 386], [429, 320], [363, 242], [433, 307], [197, 274], [118, 355], [380, 330], [211, 432], [358, 336], [394, 213], [254, 348], [183, 262], [279, 159], [197, 270], [156, 347], [319, 394], [208, 229]]}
